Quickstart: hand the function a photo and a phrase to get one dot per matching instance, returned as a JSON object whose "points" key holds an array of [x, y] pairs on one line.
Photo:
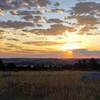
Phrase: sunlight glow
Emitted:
{"points": [[68, 54], [70, 46]]}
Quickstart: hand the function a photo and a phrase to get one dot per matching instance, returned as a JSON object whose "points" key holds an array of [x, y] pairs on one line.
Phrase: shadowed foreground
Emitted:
{"points": [[56, 85]]}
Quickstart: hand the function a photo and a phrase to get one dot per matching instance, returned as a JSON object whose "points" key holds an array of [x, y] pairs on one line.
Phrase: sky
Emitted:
{"points": [[49, 29]]}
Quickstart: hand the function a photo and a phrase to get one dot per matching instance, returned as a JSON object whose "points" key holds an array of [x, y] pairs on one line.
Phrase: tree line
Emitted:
{"points": [[82, 64]]}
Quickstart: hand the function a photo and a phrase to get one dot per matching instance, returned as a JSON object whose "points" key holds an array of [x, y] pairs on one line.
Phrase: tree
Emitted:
{"points": [[11, 67], [2, 66], [93, 64]]}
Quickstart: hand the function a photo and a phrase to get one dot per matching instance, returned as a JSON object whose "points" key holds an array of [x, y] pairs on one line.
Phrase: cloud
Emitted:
{"points": [[55, 20], [21, 12], [29, 10], [41, 2], [1, 37], [70, 29], [39, 19], [28, 17], [86, 53], [42, 43], [39, 25], [1, 31], [1, 12], [11, 46], [24, 12], [1, 34], [57, 10], [13, 39], [5, 4], [87, 20], [87, 30], [86, 8], [15, 4], [15, 24], [86, 14], [14, 12], [56, 29]]}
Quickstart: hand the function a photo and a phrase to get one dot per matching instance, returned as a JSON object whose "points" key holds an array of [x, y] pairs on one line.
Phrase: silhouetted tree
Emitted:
{"points": [[2, 66], [82, 65], [11, 67], [93, 64]]}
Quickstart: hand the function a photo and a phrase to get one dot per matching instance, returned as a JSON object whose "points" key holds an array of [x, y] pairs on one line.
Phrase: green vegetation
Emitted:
{"points": [[48, 85]]}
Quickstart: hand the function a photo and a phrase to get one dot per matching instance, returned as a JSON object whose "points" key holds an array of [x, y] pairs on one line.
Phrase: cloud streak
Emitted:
{"points": [[43, 43], [15, 24]]}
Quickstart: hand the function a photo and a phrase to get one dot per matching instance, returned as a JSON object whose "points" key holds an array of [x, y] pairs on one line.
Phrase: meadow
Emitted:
{"points": [[50, 85]]}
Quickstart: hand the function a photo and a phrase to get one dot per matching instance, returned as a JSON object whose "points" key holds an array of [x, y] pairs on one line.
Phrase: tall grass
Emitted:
{"points": [[62, 85]]}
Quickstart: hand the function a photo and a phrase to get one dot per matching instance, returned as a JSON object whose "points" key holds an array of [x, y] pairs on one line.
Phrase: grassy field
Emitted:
{"points": [[56, 85]]}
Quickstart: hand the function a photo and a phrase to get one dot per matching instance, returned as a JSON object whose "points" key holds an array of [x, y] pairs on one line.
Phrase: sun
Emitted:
{"points": [[68, 54], [70, 47]]}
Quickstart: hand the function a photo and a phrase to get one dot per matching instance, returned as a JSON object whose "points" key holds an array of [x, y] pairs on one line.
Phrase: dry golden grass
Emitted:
{"points": [[42, 85]]}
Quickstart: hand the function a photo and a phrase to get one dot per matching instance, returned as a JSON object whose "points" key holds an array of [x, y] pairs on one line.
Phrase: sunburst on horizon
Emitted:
{"points": [[70, 46], [68, 54]]}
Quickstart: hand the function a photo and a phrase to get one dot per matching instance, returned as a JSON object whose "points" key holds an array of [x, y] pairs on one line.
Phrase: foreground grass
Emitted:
{"points": [[56, 85]]}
